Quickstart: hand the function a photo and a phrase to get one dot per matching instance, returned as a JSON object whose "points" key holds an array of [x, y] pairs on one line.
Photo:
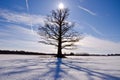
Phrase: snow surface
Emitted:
{"points": [[28, 67]]}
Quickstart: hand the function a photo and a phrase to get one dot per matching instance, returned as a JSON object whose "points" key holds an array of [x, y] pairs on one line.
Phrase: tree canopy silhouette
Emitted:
{"points": [[58, 31]]}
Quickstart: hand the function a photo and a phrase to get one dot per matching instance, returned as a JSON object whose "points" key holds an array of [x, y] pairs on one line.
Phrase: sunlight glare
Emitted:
{"points": [[61, 6]]}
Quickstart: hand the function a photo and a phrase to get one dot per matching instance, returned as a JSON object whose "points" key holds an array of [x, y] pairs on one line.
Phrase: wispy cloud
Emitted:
{"points": [[93, 44], [15, 37], [87, 10], [27, 6], [95, 30], [84, 25], [17, 32], [21, 18], [26, 46], [31, 24]]}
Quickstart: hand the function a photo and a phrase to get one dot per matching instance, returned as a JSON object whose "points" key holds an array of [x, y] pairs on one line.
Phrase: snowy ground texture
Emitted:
{"points": [[24, 67]]}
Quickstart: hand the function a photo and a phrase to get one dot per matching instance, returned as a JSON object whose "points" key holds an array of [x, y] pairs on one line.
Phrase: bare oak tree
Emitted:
{"points": [[58, 31]]}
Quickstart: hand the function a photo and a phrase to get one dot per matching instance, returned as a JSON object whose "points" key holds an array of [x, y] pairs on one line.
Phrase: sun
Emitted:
{"points": [[61, 6]]}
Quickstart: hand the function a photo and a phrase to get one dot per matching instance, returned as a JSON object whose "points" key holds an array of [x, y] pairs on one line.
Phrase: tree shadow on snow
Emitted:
{"points": [[56, 69], [91, 73], [62, 72]]}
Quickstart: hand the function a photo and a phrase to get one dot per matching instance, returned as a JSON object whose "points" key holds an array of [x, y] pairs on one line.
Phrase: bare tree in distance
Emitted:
{"points": [[59, 32]]}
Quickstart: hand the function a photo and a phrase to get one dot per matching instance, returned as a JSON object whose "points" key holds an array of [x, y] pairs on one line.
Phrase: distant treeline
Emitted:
{"points": [[22, 52], [37, 53], [113, 55], [87, 54]]}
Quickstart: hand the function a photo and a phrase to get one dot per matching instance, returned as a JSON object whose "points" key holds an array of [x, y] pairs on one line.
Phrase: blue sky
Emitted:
{"points": [[98, 20]]}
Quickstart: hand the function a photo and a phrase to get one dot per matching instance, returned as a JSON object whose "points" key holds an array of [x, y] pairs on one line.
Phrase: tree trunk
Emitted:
{"points": [[59, 53]]}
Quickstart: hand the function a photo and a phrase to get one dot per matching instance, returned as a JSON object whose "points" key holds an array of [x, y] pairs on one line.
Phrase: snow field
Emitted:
{"points": [[29, 67]]}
